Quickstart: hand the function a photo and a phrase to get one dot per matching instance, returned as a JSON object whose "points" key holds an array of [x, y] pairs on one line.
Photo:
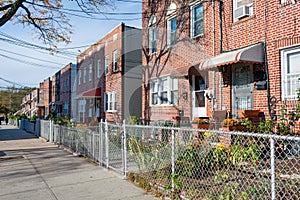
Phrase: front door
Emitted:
{"points": [[199, 104], [242, 88]]}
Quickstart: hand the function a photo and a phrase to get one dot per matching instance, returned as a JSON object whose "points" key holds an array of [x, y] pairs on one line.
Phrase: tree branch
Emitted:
{"points": [[11, 12]]}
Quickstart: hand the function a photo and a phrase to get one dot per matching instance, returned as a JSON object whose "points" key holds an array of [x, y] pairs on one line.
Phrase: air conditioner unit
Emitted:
{"points": [[242, 12]]}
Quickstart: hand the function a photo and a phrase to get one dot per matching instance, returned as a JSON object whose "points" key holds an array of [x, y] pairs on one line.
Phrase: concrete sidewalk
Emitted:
{"points": [[31, 168]]}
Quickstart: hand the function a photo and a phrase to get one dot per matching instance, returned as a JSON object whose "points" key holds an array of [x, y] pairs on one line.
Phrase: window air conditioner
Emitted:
{"points": [[242, 12]]}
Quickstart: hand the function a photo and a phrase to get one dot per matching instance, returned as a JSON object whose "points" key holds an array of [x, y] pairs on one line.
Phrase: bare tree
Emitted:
{"points": [[48, 19]]}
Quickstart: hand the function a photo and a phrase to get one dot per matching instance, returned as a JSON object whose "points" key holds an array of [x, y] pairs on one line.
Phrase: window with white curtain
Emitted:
{"points": [[290, 72], [98, 68], [79, 77], [164, 91], [90, 72], [84, 75], [115, 61], [106, 63], [111, 101]]}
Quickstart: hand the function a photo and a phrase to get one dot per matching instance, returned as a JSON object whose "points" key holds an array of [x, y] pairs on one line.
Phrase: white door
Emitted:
{"points": [[198, 101]]}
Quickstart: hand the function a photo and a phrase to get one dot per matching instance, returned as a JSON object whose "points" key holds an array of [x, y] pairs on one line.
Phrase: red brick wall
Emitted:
{"points": [[275, 24], [186, 53], [47, 95], [110, 82], [65, 94]]}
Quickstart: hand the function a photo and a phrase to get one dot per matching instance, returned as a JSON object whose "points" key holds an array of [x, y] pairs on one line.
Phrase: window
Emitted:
{"points": [[90, 72], [99, 68], [111, 101], [79, 77], [174, 92], [90, 112], [152, 34], [81, 106], [106, 65], [284, 1], [290, 71], [66, 108], [197, 20], [171, 38], [115, 61], [164, 91], [84, 75], [242, 8]]}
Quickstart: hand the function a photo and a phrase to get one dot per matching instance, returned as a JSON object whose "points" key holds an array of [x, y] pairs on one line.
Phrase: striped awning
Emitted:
{"points": [[250, 54]]}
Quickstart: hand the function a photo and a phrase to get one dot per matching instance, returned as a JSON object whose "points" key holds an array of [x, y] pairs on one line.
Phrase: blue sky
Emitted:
{"points": [[30, 67]]}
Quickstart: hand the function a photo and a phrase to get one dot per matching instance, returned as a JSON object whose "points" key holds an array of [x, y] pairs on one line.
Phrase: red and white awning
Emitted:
{"points": [[250, 54]]}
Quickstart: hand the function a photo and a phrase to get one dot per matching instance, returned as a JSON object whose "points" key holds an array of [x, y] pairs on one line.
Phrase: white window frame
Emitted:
{"points": [[283, 1], [106, 64], [111, 101], [193, 35], [115, 61], [84, 75], [235, 6], [152, 40], [90, 72], [157, 89], [90, 112], [289, 81], [170, 38], [81, 106], [79, 77], [99, 68], [66, 108]]}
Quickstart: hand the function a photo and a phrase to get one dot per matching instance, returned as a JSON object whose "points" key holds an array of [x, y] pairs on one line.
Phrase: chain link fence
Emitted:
{"points": [[190, 163]]}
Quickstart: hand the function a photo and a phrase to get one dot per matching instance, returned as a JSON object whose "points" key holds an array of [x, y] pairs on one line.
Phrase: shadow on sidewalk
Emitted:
{"points": [[14, 134]]}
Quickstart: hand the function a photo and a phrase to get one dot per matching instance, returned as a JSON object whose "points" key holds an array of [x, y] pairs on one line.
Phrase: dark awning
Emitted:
{"points": [[250, 54], [91, 93]]}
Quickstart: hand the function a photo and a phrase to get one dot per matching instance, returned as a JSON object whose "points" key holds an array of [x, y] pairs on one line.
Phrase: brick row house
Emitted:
{"points": [[62, 87], [57, 93], [29, 103], [204, 57], [109, 77], [45, 95]]}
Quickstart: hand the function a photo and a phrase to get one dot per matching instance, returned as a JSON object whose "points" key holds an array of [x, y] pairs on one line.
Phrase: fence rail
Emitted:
{"points": [[190, 163]]}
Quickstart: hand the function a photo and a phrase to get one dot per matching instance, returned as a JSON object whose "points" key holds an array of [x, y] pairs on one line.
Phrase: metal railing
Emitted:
{"points": [[190, 163]]}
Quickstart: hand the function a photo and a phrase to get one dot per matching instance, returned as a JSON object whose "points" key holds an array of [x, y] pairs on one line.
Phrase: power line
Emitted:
{"points": [[11, 82], [86, 12], [28, 63], [48, 61]]}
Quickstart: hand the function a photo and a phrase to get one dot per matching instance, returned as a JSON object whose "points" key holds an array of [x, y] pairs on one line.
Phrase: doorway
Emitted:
{"points": [[198, 97], [242, 88]]}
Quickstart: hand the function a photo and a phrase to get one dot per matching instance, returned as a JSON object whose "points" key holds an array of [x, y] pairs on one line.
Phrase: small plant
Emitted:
{"points": [[200, 121], [209, 136], [231, 122], [33, 119], [132, 120]]}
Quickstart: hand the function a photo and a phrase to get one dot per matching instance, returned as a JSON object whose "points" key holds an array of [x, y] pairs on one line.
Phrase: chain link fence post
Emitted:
{"points": [[100, 142], [51, 131], [173, 158], [125, 148], [273, 175], [93, 143], [106, 145]]}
